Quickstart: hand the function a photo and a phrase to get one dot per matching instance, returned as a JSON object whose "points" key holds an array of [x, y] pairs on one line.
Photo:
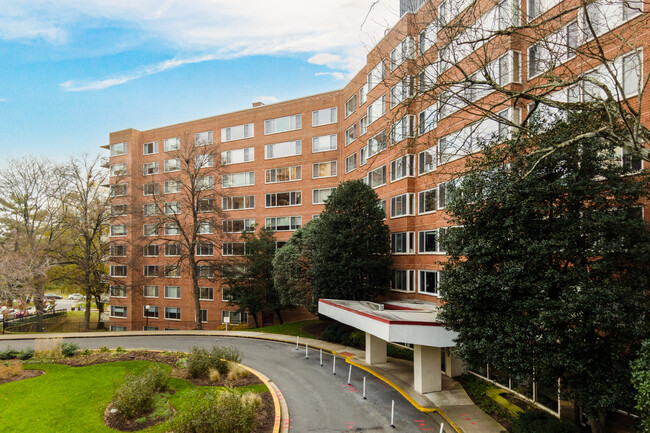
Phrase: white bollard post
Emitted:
{"points": [[392, 414], [442, 425], [333, 364], [364, 387], [297, 341], [321, 357], [306, 351], [349, 374]]}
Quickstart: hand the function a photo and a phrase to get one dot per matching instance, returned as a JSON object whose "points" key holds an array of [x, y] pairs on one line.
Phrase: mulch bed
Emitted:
{"points": [[24, 374], [117, 422], [223, 381], [169, 358], [512, 398]]}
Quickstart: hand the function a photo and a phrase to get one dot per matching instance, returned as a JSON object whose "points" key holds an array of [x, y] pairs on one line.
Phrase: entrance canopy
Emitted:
{"points": [[405, 321]]}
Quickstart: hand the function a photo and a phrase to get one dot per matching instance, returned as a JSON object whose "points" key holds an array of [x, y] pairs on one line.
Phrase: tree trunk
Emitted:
{"points": [[100, 308], [39, 304], [255, 321], [196, 291], [87, 312], [277, 313], [598, 423]]}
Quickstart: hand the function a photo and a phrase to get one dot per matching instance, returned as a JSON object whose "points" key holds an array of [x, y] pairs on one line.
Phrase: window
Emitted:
{"points": [[538, 7], [150, 291], [205, 205], [377, 177], [172, 186], [323, 143], [172, 229], [350, 105], [350, 163], [205, 228], [149, 168], [204, 249], [117, 328], [403, 280], [150, 148], [118, 311], [150, 188], [402, 91], [323, 117], [239, 225], [118, 291], [205, 271], [118, 271], [283, 150], [284, 224], [429, 282], [237, 156], [323, 169], [118, 149], [282, 199], [402, 243], [445, 191], [118, 169], [402, 205], [233, 249], [150, 230], [428, 242], [403, 51], [172, 271], [203, 138], [118, 210], [172, 144], [204, 183], [172, 165], [428, 37], [149, 209], [376, 75], [427, 77], [375, 145], [402, 167], [236, 317], [550, 52], [172, 313], [350, 134], [150, 250], [172, 208], [283, 124], [427, 201], [377, 109], [118, 230], [118, 190], [238, 132], [204, 316], [151, 312], [172, 250], [117, 250], [362, 94], [631, 73], [206, 293], [320, 195], [172, 292], [427, 160], [427, 119], [363, 125], [239, 202], [284, 174], [234, 180], [150, 270]]}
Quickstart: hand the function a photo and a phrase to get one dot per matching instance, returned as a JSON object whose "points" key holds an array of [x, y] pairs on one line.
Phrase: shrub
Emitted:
{"points": [[201, 361], [69, 349], [48, 348], [181, 363], [9, 353], [120, 349], [26, 353], [536, 421], [229, 353], [136, 394], [237, 371], [104, 349], [224, 412], [214, 375], [86, 352]]}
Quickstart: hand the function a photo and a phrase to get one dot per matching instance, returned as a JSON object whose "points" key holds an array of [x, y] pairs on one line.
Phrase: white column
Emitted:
{"points": [[453, 366], [426, 369], [375, 350]]}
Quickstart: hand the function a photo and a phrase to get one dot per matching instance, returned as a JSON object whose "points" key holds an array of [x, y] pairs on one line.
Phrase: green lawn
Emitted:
{"points": [[288, 328], [73, 399]]}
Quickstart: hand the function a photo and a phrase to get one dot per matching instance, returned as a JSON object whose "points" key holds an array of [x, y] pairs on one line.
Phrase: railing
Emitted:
{"points": [[30, 324]]}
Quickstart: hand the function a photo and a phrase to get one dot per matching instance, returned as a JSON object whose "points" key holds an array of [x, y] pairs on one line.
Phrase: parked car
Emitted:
{"points": [[53, 296], [76, 297]]}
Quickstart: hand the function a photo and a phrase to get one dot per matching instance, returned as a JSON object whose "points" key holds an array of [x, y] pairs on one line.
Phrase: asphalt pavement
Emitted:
{"points": [[319, 401]]}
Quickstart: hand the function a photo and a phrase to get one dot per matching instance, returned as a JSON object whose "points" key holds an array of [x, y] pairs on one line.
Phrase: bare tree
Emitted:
{"points": [[32, 209]]}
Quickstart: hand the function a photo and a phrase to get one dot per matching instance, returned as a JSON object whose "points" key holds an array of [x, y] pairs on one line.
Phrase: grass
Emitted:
{"points": [[294, 329], [73, 399]]}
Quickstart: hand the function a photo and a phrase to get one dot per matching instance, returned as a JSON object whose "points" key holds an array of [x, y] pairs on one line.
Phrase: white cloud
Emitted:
{"points": [[3, 100], [266, 99], [79, 86], [337, 75], [335, 33]]}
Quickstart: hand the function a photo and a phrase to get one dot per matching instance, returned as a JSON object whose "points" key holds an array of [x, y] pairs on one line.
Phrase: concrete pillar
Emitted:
{"points": [[375, 350], [454, 367], [426, 369]]}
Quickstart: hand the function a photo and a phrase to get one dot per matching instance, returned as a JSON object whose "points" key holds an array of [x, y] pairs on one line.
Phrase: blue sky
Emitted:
{"points": [[71, 71]]}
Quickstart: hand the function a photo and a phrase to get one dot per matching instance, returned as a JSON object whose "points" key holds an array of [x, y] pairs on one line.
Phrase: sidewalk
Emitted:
{"points": [[452, 403]]}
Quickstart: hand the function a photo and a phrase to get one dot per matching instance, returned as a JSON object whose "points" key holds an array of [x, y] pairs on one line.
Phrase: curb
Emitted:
{"points": [[281, 422]]}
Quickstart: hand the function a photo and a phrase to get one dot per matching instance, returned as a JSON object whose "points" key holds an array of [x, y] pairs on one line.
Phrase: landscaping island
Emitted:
{"points": [[107, 390]]}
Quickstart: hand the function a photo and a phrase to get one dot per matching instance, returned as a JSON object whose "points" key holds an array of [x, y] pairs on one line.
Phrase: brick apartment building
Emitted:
{"points": [[280, 161]]}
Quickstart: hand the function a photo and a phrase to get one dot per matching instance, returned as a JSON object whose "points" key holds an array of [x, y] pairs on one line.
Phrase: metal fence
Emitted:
{"points": [[51, 321]]}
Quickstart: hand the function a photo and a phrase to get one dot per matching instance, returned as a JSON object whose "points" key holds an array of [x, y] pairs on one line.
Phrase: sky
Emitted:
{"points": [[72, 71]]}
